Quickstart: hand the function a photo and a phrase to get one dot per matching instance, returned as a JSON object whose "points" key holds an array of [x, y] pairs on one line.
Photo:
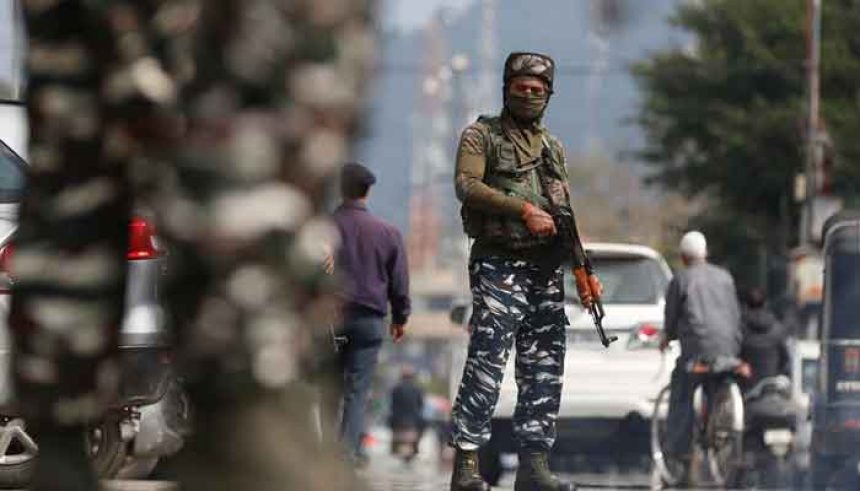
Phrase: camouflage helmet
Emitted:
{"points": [[529, 64]]}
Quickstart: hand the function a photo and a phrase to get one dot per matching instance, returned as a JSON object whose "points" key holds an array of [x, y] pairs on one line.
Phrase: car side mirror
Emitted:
{"points": [[458, 315]]}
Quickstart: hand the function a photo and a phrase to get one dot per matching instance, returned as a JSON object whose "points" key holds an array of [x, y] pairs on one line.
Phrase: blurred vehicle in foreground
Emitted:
{"points": [[153, 415], [836, 408], [608, 392]]}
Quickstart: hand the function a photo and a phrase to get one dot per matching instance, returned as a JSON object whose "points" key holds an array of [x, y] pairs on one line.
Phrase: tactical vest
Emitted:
{"points": [[522, 180]]}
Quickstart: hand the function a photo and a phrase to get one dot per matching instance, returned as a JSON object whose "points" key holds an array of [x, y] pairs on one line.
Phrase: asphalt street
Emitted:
{"points": [[428, 473]]}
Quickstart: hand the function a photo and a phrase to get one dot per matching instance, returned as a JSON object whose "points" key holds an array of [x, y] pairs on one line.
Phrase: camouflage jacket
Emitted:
{"points": [[493, 184]]}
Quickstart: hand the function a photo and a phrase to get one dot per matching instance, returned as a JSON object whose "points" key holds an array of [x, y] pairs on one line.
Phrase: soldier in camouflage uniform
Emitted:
{"points": [[510, 173]]}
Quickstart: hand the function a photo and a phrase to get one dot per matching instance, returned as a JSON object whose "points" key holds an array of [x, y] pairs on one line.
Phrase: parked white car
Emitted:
{"points": [[608, 393]]}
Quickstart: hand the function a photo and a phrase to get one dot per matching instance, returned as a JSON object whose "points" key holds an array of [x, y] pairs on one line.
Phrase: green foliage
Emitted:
{"points": [[725, 117]]}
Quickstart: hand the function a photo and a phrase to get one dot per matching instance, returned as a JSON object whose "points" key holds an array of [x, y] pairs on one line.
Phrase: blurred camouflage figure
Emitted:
{"points": [[510, 172], [227, 117]]}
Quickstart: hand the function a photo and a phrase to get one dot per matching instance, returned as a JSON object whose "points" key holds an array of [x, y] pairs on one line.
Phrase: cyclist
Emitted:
{"points": [[701, 312]]}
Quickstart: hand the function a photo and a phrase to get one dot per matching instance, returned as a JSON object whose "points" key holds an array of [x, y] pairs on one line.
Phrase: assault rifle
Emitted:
{"points": [[565, 225]]}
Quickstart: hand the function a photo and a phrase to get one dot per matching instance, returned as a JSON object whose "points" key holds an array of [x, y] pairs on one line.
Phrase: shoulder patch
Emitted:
{"points": [[472, 140]]}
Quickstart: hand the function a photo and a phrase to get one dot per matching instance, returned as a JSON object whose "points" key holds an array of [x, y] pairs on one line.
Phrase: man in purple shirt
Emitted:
{"points": [[371, 262]]}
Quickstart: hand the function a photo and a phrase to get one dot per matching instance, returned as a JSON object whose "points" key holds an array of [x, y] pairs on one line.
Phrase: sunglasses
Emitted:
{"points": [[529, 88]]}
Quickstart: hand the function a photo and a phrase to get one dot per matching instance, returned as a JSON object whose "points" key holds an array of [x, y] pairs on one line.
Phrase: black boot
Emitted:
{"points": [[466, 476], [533, 474]]}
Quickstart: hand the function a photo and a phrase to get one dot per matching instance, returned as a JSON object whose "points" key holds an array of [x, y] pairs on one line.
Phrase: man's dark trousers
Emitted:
{"points": [[365, 331], [681, 415]]}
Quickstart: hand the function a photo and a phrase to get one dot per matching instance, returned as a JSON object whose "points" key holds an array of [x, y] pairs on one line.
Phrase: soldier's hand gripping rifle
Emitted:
{"points": [[565, 224]]}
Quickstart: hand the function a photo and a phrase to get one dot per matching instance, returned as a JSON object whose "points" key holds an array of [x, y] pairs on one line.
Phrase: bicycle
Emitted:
{"points": [[718, 428]]}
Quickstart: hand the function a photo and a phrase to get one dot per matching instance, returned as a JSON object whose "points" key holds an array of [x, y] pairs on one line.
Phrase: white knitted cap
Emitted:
{"points": [[694, 245]]}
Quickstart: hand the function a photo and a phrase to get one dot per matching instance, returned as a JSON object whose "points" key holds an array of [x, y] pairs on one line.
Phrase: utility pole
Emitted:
{"points": [[813, 50], [488, 83]]}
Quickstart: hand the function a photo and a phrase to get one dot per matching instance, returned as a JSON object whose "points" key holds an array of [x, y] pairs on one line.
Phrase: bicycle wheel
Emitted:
{"points": [[666, 472], [724, 433]]}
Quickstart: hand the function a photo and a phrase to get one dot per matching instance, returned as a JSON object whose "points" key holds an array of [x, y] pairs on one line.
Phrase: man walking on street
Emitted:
{"points": [[510, 172], [372, 264], [702, 312]]}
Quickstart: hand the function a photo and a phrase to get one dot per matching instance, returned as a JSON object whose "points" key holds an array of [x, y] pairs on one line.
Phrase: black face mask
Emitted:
{"points": [[527, 107]]}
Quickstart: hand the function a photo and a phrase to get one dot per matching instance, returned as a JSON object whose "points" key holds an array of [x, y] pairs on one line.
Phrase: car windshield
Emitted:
{"points": [[12, 175], [627, 280]]}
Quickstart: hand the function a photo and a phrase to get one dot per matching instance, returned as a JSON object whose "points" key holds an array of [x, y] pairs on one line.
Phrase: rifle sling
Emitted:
{"points": [[565, 220]]}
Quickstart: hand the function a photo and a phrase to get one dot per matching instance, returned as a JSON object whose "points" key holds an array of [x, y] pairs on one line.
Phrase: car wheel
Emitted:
{"points": [[490, 464], [106, 449], [18, 452]]}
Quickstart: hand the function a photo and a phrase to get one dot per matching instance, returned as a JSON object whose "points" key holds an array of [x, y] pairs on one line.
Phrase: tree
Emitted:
{"points": [[725, 118], [613, 204]]}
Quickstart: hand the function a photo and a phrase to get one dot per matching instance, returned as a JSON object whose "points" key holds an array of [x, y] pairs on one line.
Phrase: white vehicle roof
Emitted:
{"points": [[622, 249]]}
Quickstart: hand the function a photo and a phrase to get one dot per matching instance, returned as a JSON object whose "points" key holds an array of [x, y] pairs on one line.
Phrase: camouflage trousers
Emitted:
{"points": [[514, 302]]}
